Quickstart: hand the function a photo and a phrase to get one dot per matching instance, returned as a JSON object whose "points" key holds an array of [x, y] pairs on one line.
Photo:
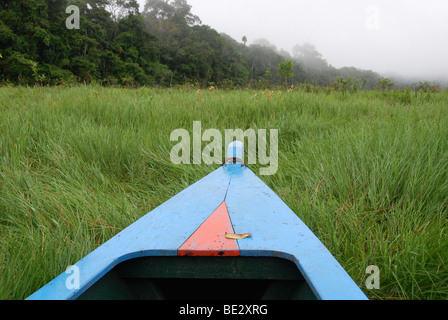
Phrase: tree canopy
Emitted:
{"points": [[165, 44]]}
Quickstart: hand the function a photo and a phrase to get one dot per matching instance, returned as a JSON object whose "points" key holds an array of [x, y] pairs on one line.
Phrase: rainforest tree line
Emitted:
{"points": [[163, 44]]}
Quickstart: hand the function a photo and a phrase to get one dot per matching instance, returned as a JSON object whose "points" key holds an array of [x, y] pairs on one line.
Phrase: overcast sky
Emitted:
{"points": [[407, 37]]}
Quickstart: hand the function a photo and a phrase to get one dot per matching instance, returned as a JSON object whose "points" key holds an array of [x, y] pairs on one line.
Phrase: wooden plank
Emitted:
{"points": [[159, 233], [253, 268], [277, 231]]}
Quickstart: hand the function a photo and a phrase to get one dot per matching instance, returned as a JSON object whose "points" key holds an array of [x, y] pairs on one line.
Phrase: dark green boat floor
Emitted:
{"points": [[201, 278]]}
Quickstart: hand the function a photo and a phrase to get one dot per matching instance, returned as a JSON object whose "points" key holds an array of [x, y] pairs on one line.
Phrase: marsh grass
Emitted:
{"points": [[367, 172]]}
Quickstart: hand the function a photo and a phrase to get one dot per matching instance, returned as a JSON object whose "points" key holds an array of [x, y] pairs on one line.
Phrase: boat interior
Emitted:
{"points": [[202, 278]]}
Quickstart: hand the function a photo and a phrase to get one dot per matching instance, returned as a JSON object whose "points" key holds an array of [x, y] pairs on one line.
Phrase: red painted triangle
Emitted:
{"points": [[209, 239]]}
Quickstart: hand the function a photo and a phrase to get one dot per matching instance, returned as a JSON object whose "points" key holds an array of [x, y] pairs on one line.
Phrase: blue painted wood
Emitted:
{"points": [[253, 208], [277, 231], [159, 233], [235, 150]]}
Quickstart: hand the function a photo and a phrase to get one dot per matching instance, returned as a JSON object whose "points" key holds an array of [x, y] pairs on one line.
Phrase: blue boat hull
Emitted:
{"points": [[252, 207]]}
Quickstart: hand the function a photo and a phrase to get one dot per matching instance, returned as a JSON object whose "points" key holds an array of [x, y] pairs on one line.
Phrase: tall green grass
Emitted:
{"points": [[367, 172]]}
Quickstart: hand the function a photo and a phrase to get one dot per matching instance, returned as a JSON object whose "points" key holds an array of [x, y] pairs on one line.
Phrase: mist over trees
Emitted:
{"points": [[164, 44]]}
